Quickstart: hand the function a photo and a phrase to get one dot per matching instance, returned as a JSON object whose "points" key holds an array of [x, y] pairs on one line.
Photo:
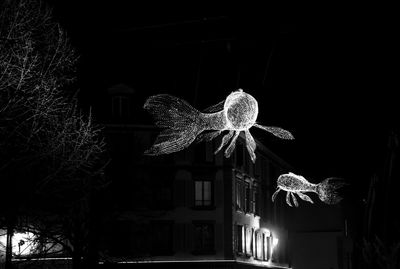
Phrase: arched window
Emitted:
{"points": [[267, 247], [249, 241], [259, 245]]}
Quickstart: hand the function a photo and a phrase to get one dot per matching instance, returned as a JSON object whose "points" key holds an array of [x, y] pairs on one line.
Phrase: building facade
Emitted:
{"points": [[193, 208]]}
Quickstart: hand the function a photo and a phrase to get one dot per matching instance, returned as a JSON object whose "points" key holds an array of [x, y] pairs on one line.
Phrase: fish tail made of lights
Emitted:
{"points": [[326, 190], [181, 123]]}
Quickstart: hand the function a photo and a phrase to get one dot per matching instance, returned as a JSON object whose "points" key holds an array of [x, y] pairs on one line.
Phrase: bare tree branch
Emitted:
{"points": [[51, 154]]}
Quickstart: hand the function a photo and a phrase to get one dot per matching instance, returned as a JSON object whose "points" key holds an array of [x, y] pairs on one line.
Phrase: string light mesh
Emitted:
{"points": [[296, 184], [182, 124]]}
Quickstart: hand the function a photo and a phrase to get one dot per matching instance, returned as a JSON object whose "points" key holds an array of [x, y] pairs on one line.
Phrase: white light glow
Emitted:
{"points": [[296, 184], [22, 243], [177, 261], [266, 231], [182, 123], [275, 242]]}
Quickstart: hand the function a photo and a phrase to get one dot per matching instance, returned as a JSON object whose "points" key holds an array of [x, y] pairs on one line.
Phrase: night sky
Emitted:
{"points": [[325, 76]]}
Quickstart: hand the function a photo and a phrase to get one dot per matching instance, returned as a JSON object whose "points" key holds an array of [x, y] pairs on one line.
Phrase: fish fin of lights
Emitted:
{"points": [[304, 197], [276, 131]]}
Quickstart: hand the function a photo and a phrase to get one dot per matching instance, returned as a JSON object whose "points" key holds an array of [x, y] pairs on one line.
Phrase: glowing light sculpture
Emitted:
{"points": [[295, 184], [182, 124]]}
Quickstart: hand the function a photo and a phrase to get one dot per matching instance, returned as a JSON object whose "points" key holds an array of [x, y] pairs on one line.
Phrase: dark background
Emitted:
{"points": [[326, 73]]}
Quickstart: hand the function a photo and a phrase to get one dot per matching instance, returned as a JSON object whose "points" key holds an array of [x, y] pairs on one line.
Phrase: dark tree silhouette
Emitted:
{"points": [[51, 154]]}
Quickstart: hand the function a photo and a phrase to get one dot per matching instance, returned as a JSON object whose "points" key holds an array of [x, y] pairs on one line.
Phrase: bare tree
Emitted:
{"points": [[50, 153]]}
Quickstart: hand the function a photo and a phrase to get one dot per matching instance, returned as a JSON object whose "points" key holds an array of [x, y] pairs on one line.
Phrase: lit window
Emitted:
{"points": [[203, 193], [249, 241], [204, 237], [259, 245], [267, 247], [240, 241]]}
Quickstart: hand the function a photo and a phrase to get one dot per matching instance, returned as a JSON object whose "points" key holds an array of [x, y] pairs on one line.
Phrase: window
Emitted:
{"points": [[203, 237], [259, 245], [267, 247], [162, 197], [240, 195], [203, 193], [248, 198], [249, 241], [136, 235], [128, 237], [255, 204], [239, 239], [161, 237], [120, 106]]}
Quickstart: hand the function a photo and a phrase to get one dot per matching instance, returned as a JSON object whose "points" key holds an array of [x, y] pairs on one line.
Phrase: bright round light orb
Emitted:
{"points": [[241, 110]]}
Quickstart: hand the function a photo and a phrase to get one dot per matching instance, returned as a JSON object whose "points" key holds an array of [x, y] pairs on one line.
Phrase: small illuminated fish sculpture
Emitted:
{"points": [[184, 124], [295, 184]]}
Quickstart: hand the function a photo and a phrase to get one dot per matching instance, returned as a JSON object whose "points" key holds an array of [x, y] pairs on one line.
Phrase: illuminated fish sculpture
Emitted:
{"points": [[295, 184], [182, 124]]}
